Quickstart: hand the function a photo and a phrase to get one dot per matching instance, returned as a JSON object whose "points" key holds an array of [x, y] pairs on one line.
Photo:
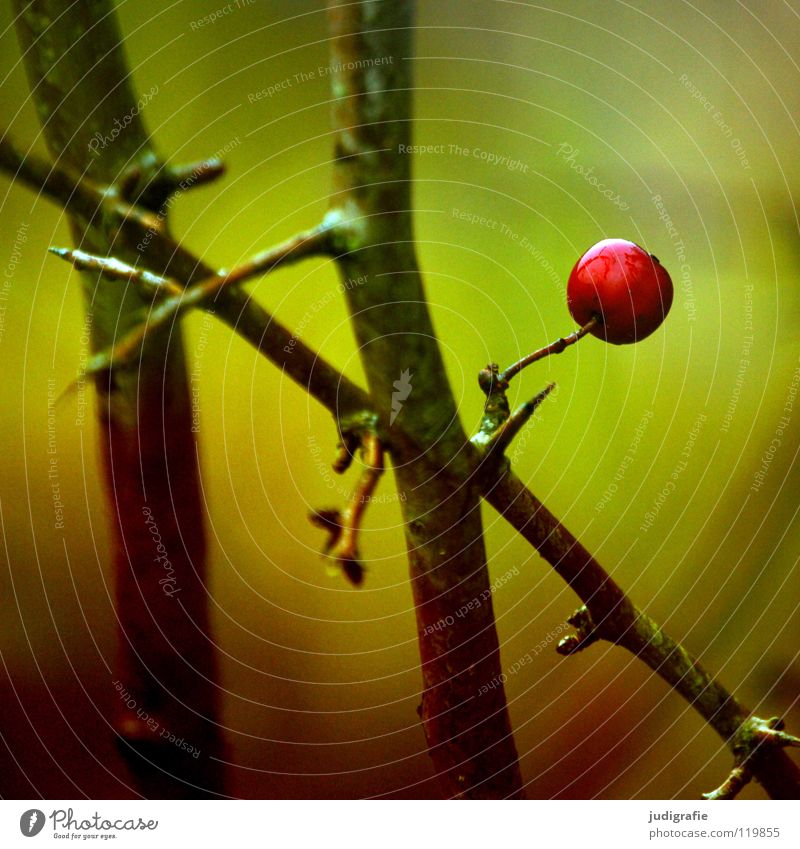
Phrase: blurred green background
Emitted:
{"points": [[671, 124]]}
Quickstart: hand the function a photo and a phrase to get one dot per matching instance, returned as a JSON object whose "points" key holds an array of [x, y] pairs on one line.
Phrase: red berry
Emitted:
{"points": [[625, 288]]}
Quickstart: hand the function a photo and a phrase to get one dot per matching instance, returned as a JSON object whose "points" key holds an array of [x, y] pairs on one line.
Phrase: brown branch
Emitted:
{"points": [[617, 620], [71, 190], [248, 319]]}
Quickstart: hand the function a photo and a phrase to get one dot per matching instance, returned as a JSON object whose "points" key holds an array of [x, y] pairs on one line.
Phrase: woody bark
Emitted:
{"points": [[81, 87], [469, 735]]}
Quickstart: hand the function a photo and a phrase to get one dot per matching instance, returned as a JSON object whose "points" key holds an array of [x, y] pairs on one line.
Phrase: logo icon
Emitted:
{"points": [[401, 393], [31, 822]]}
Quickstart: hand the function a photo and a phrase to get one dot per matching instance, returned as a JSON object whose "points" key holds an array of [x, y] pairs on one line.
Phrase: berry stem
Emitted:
{"points": [[553, 348]]}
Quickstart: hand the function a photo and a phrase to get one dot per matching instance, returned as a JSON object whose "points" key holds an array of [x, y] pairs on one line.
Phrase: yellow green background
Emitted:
{"points": [[321, 680]]}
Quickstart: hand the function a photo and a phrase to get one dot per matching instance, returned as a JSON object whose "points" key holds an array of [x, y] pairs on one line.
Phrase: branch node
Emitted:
{"points": [[753, 738], [496, 410], [585, 633], [490, 380], [352, 431]]}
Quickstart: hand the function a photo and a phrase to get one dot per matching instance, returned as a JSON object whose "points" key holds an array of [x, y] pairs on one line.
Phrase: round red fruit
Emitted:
{"points": [[625, 288]]}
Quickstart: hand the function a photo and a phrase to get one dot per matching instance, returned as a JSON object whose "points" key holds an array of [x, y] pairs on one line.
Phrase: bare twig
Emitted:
{"points": [[314, 242], [115, 269], [343, 529], [553, 348], [242, 314], [72, 190]]}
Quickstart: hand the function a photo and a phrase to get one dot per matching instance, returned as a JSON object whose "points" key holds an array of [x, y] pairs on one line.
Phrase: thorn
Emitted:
{"points": [[114, 269], [505, 433], [68, 390], [196, 173]]}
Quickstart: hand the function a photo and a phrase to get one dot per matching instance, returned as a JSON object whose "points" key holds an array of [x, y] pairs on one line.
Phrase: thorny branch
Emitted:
{"points": [[616, 619], [244, 316], [609, 614], [315, 242]]}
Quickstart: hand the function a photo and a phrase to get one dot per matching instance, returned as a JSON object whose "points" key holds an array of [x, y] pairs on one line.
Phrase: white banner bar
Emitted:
{"points": [[401, 824]]}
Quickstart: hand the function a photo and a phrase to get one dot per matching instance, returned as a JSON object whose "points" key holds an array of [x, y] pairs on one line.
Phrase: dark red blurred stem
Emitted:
{"points": [[553, 348], [166, 667]]}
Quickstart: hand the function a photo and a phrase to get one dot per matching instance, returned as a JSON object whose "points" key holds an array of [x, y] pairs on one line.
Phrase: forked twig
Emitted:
{"points": [[343, 528], [752, 738]]}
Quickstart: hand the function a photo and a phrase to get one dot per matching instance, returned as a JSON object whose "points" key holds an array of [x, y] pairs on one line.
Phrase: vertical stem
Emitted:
{"points": [[468, 735], [81, 86]]}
